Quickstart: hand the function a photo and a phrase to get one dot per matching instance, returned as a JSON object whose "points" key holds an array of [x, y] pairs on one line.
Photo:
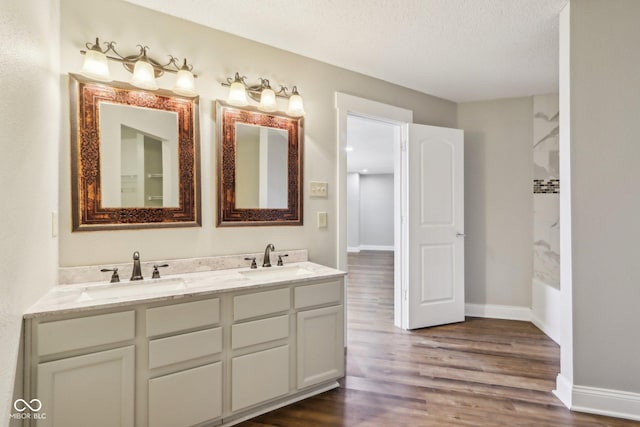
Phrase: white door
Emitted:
{"points": [[434, 227]]}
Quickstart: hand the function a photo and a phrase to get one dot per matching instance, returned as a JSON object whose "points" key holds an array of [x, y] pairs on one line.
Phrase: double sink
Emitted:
{"points": [[140, 288]]}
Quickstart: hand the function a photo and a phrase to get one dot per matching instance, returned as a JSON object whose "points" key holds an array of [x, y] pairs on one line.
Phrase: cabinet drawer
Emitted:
{"points": [[261, 303], [186, 398], [165, 351], [179, 317], [258, 377], [74, 334], [322, 293], [259, 331]]}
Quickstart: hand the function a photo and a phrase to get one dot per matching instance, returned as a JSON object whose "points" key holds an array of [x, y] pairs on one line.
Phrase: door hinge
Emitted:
{"points": [[404, 294], [403, 145]]}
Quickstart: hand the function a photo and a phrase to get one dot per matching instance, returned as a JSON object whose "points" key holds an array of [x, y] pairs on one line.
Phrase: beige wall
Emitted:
{"points": [[498, 201], [604, 73], [376, 210], [29, 123], [215, 56]]}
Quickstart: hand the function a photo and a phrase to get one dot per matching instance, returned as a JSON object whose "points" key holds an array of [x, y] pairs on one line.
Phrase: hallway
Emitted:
{"points": [[482, 372]]}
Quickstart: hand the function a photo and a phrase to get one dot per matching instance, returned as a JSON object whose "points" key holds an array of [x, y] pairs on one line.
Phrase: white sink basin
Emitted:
{"points": [[276, 273], [129, 289]]}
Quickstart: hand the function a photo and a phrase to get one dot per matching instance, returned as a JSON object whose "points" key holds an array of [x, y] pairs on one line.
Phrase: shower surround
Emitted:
{"points": [[546, 189]]}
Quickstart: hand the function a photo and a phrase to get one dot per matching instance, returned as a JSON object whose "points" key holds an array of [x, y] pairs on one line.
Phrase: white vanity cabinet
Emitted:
{"points": [[83, 370], [320, 332], [197, 360]]}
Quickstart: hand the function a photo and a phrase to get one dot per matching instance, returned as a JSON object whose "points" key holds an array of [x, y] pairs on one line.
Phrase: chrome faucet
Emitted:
{"points": [[266, 262], [136, 274]]}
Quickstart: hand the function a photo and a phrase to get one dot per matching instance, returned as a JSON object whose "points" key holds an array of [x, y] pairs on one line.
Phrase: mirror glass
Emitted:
{"points": [[138, 156], [261, 167], [134, 157]]}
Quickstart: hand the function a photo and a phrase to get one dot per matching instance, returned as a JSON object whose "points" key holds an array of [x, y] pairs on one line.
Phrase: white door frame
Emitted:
{"points": [[348, 104]]}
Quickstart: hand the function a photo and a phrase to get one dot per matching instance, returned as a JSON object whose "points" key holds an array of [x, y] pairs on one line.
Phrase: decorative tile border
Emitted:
{"points": [[551, 186]]}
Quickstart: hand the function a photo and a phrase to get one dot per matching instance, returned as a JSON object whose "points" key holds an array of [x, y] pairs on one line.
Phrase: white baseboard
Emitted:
{"points": [[611, 403], [508, 312], [600, 401], [353, 249], [376, 247], [563, 390], [546, 309]]}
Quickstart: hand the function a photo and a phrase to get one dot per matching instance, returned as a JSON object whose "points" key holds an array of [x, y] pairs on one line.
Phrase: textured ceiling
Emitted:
{"points": [[461, 50]]}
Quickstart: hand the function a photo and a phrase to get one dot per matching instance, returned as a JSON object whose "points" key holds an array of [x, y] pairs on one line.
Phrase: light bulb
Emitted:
{"points": [[296, 107], [95, 65], [144, 75], [268, 100], [185, 82], [237, 94]]}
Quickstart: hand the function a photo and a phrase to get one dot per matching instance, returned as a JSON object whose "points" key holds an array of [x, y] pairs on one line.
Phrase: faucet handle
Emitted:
{"points": [[280, 263], [156, 272], [115, 278], [253, 261]]}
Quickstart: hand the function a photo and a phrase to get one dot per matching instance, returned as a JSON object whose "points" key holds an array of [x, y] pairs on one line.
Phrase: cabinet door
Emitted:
{"points": [[96, 389], [186, 398], [258, 377], [320, 345]]}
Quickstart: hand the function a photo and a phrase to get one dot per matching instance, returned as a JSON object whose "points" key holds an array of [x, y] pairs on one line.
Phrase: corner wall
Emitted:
{"points": [[498, 206], [30, 127], [604, 146], [376, 212]]}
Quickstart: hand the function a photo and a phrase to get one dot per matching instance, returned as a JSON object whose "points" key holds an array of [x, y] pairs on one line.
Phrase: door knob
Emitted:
{"points": [[460, 235]]}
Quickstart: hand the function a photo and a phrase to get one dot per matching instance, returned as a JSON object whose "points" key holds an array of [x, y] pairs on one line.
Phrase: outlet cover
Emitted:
{"points": [[318, 189], [322, 220]]}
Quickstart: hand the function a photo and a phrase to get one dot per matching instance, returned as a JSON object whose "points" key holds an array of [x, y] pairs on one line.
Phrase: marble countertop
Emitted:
{"points": [[90, 296]]}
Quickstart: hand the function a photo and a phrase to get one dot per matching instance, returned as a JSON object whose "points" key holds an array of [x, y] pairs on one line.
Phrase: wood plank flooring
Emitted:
{"points": [[482, 372]]}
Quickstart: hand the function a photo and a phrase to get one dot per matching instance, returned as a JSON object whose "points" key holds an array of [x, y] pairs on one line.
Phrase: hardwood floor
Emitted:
{"points": [[482, 372]]}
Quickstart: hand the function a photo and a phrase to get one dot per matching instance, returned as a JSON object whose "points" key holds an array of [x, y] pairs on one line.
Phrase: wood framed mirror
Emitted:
{"points": [[134, 157], [259, 167]]}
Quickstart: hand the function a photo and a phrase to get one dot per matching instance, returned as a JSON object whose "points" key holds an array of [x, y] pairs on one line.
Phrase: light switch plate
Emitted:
{"points": [[322, 220], [318, 189]]}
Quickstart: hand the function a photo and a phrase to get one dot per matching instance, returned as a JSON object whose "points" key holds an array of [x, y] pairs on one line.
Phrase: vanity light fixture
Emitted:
{"points": [[185, 81], [237, 93], [145, 69], [268, 101], [144, 76], [263, 94], [296, 107]]}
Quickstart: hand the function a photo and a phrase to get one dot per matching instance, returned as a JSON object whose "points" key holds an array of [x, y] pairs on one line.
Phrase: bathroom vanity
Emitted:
{"points": [[207, 348]]}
